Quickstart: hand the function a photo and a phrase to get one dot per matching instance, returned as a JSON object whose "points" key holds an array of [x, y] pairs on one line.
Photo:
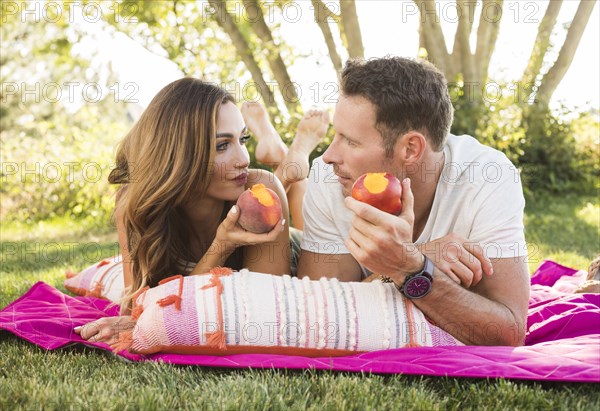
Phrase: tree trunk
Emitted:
{"points": [[434, 38], [487, 34], [540, 47], [322, 14], [278, 67], [466, 57], [223, 18], [567, 52], [351, 28], [456, 48]]}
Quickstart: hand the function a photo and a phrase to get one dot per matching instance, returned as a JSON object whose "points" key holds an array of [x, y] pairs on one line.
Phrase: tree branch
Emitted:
{"points": [[434, 38], [223, 18], [565, 57], [487, 34], [456, 48], [351, 28], [541, 46], [322, 14], [463, 33], [278, 67]]}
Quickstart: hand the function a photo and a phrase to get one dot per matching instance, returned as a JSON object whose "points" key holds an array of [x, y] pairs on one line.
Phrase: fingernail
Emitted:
{"points": [[283, 221], [233, 210], [77, 328]]}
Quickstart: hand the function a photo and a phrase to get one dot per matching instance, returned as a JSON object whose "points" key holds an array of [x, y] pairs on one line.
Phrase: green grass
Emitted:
{"points": [[564, 229]]}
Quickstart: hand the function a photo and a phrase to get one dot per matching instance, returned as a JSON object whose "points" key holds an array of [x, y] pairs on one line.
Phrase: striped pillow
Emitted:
{"points": [[102, 280], [227, 312]]}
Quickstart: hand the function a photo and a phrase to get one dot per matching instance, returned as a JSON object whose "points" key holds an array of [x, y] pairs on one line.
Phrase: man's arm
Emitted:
{"points": [[492, 312], [316, 265]]}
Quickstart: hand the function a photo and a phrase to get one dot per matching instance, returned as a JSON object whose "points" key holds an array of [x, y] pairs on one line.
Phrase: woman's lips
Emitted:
{"points": [[241, 179]]}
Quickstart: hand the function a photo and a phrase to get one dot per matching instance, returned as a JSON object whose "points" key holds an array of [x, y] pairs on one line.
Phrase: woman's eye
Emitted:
{"points": [[244, 139], [350, 143], [222, 146]]}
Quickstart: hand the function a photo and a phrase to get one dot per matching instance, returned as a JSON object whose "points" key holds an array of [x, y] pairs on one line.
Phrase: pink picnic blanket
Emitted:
{"points": [[563, 339]]}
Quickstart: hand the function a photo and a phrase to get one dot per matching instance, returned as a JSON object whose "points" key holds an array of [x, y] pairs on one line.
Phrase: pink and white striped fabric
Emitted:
{"points": [[247, 312], [101, 280]]}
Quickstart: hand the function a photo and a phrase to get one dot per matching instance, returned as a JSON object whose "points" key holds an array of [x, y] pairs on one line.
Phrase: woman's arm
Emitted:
{"points": [[268, 252]]}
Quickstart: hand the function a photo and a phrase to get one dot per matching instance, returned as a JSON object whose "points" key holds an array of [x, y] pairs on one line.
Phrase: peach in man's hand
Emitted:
{"points": [[260, 209], [381, 190]]}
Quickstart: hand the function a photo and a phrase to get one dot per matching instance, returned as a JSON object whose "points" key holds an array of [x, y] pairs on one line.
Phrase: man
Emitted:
{"points": [[394, 115]]}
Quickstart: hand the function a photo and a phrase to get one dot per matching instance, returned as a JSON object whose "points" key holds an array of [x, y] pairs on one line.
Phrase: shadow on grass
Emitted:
{"points": [[556, 225]]}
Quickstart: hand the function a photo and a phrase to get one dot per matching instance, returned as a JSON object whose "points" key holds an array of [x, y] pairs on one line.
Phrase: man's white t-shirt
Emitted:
{"points": [[478, 196]]}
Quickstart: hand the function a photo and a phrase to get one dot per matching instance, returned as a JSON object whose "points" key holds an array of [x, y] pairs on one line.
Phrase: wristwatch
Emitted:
{"points": [[419, 284]]}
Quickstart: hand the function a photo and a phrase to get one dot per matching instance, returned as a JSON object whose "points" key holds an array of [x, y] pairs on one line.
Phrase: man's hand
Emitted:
{"points": [[461, 260], [381, 241], [105, 329]]}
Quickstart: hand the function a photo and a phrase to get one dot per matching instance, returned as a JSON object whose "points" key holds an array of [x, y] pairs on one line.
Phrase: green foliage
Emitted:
{"points": [[564, 160], [57, 143], [555, 151], [59, 167]]}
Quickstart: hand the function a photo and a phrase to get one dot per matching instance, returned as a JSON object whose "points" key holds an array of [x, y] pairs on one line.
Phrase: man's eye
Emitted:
{"points": [[244, 139], [350, 143]]}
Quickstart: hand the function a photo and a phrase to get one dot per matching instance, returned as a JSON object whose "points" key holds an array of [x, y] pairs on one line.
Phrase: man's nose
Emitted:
{"points": [[331, 156]]}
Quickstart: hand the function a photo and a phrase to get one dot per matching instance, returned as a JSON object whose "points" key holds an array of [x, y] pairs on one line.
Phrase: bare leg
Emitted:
{"points": [[592, 285], [270, 150], [311, 130], [291, 165], [295, 196]]}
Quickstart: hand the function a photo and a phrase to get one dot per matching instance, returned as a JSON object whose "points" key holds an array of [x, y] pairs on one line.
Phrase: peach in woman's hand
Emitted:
{"points": [[260, 209]]}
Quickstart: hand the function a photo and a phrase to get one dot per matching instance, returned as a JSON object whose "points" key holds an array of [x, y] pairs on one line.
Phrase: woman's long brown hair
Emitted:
{"points": [[165, 160]]}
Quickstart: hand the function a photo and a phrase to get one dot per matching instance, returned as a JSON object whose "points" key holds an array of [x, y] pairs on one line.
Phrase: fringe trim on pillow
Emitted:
{"points": [[138, 309], [84, 292], [124, 342], [97, 290], [173, 298], [70, 274], [217, 338]]}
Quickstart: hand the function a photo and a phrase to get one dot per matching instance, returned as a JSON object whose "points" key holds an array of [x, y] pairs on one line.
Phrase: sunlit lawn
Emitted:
{"points": [[565, 229]]}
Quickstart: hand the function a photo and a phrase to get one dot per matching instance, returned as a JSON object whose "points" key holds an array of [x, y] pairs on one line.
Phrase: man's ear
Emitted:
{"points": [[411, 147]]}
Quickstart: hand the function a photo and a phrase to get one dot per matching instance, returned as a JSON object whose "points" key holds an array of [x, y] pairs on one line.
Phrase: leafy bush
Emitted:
{"points": [[59, 167], [556, 151]]}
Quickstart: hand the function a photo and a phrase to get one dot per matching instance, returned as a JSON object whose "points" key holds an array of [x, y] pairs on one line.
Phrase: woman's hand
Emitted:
{"points": [[230, 235], [105, 329], [461, 260]]}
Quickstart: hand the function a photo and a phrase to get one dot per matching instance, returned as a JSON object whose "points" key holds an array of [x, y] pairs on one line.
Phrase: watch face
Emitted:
{"points": [[417, 287]]}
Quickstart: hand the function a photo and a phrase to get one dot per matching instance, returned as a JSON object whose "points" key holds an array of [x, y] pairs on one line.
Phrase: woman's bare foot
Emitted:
{"points": [[311, 130], [594, 270], [270, 150], [592, 283]]}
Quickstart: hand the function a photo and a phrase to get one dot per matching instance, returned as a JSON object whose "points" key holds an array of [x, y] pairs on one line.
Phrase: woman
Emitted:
{"points": [[182, 167]]}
